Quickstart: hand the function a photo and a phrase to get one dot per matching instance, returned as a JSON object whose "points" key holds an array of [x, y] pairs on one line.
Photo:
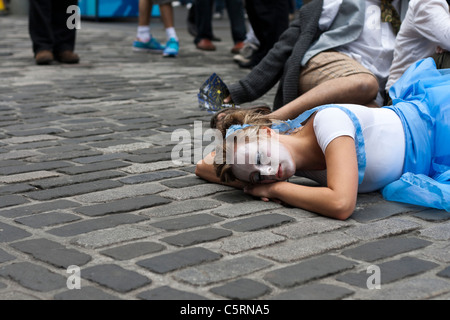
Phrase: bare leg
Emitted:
{"points": [[359, 89], [166, 11], [145, 8]]}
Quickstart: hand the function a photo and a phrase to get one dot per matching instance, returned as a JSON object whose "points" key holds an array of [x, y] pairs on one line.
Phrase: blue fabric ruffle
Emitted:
{"points": [[421, 98]]}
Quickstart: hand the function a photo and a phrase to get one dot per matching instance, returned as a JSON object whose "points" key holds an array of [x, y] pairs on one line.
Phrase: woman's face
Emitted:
{"points": [[263, 161]]}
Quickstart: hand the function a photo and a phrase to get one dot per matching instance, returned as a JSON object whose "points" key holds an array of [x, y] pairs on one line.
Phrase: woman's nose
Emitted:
{"points": [[268, 171]]}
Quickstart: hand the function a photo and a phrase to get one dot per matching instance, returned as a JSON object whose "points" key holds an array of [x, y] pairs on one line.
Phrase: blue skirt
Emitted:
{"points": [[421, 98]]}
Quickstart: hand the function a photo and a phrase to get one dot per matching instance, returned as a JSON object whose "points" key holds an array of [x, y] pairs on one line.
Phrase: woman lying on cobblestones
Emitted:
{"points": [[400, 150]]}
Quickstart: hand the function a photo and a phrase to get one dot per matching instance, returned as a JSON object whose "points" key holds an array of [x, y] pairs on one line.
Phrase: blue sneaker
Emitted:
{"points": [[172, 48], [152, 46]]}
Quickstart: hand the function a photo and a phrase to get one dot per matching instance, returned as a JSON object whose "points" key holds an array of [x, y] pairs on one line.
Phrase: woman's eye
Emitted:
{"points": [[258, 158]]}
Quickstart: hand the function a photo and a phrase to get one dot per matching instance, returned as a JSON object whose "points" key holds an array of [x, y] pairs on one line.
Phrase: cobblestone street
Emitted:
{"points": [[87, 180]]}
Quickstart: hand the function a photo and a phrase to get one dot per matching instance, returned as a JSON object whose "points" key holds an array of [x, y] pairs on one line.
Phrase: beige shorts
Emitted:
{"points": [[326, 66], [162, 1]]}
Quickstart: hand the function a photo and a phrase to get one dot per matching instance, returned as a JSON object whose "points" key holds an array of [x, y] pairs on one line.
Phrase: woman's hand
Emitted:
{"points": [[262, 191], [439, 50], [227, 99]]}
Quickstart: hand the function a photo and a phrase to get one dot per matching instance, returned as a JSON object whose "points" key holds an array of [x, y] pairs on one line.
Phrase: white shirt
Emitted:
{"points": [[384, 141], [374, 49], [426, 26]]}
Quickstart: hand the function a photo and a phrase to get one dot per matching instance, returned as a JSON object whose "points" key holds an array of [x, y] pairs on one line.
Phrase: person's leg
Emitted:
{"points": [[203, 21], [172, 44], [144, 41], [63, 36], [145, 11], [331, 77], [167, 18], [40, 26], [236, 15], [269, 19]]}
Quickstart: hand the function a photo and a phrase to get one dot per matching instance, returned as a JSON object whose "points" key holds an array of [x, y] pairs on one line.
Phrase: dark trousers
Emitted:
{"points": [[442, 60], [48, 25], [203, 17], [269, 19]]}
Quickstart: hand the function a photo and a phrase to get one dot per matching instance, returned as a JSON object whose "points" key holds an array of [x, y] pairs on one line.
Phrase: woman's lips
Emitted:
{"points": [[280, 171]]}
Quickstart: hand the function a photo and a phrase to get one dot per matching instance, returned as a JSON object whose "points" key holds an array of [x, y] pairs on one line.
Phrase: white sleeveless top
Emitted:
{"points": [[384, 140]]}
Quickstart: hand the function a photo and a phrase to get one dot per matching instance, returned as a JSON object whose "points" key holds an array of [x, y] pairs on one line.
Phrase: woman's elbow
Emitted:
{"points": [[343, 209]]}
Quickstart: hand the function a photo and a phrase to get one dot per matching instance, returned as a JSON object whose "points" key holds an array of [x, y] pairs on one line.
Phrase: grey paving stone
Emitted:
{"points": [[19, 188], [315, 291], [180, 207], [303, 228], [86, 226], [438, 232], [133, 250], [308, 270], [390, 271], [84, 133], [50, 165], [409, 289], [234, 196], [115, 277], [382, 228], [183, 182], [179, 259], [258, 222], [63, 149], [438, 252], [127, 191], [250, 241], [207, 274], [17, 154], [36, 138], [194, 192], [444, 273], [308, 247], [100, 157], [38, 208], [33, 277], [80, 178], [433, 215], [123, 205], [5, 256], [197, 236], [241, 209], [47, 219], [12, 200], [168, 293], [10, 233], [72, 190], [385, 248], [383, 210], [192, 221], [2, 285], [242, 289], [150, 167], [152, 176], [71, 155], [29, 176], [107, 165], [111, 236], [52, 252]]}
